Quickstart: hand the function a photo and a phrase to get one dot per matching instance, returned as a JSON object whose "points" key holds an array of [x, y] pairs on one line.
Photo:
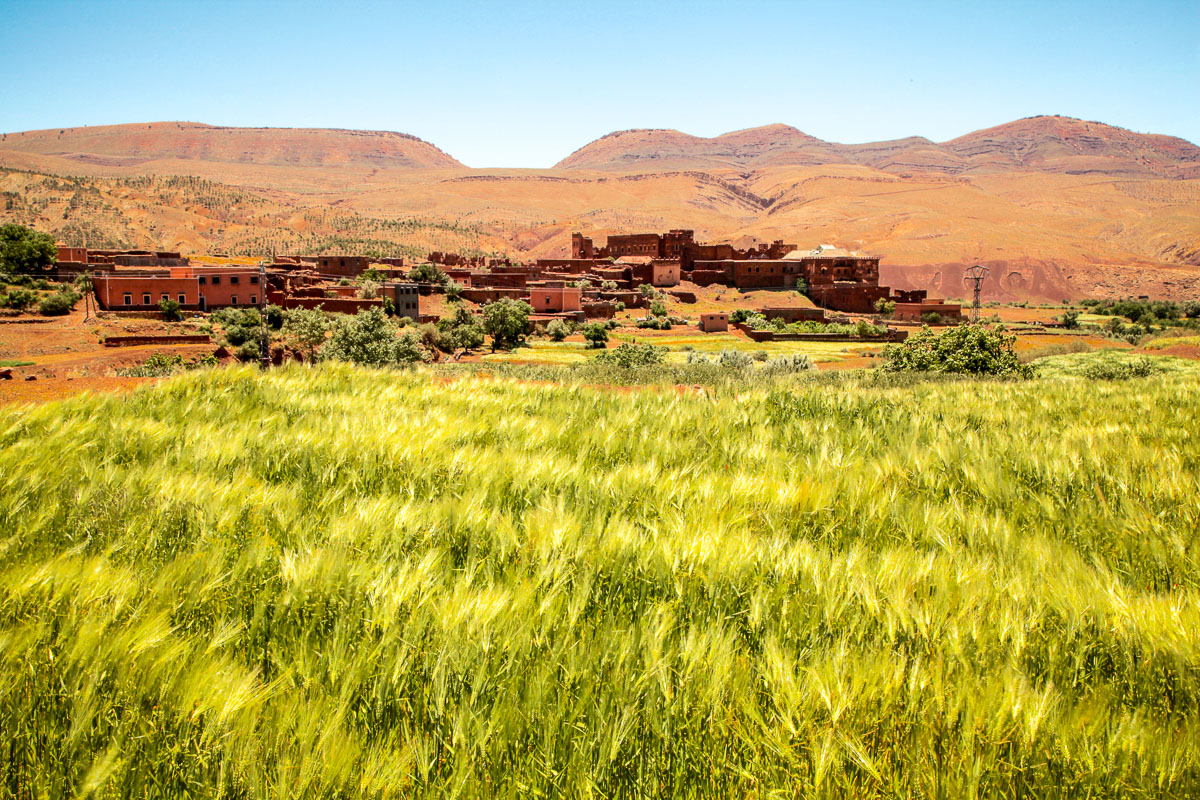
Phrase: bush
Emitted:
{"points": [[655, 323], [558, 330], [59, 303], [647, 290], [275, 317], [796, 362], [739, 315], [633, 355], [369, 339], [620, 305], [1070, 320], [608, 286], [249, 351], [735, 359], [760, 355], [885, 307], [596, 334], [454, 292], [931, 318], [970, 349], [19, 299], [170, 310], [1122, 370], [368, 290], [658, 309]]}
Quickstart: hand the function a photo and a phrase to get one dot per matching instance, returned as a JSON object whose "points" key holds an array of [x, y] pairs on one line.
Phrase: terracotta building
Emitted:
{"points": [[194, 288], [555, 300]]}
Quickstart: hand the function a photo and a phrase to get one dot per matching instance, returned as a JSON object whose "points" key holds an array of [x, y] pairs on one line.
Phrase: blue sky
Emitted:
{"points": [[523, 84]]}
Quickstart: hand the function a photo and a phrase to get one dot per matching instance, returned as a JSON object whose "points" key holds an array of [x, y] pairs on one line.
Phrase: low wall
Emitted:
{"points": [[338, 305], [132, 341]]}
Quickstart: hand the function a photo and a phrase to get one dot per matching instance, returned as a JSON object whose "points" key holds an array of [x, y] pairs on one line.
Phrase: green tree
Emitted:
{"points": [[558, 330], [59, 303], [658, 309], [305, 329], [23, 250], [970, 349], [369, 339], [1070, 319], [428, 273], [460, 331], [885, 307], [506, 321], [596, 334]]}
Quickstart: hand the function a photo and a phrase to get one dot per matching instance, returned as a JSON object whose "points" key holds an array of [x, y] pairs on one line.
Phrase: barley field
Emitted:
{"points": [[336, 582]]}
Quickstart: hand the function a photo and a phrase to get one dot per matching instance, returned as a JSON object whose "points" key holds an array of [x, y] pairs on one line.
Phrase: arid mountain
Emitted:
{"points": [[1037, 144], [1059, 208], [137, 144]]}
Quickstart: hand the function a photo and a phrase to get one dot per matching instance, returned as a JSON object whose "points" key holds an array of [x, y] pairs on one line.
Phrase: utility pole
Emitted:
{"points": [[976, 276]]}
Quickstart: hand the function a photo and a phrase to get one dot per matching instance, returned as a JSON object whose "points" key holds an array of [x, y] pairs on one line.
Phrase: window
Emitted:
{"points": [[182, 298], [128, 299], [216, 280], [203, 280], [165, 297], [233, 300], [145, 299], [233, 279], [253, 299], [253, 280]]}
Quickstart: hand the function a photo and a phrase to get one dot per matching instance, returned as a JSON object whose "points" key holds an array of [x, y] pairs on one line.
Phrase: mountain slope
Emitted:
{"points": [[131, 145], [1041, 144]]}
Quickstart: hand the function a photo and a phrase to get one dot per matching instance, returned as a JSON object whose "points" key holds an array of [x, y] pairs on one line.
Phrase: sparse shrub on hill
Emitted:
{"points": [[970, 349]]}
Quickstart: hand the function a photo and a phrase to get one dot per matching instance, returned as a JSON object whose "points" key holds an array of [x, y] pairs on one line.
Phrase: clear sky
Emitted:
{"points": [[523, 84]]}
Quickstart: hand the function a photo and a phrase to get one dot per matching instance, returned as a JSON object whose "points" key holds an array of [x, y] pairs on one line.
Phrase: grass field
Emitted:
{"points": [[542, 351], [345, 583]]}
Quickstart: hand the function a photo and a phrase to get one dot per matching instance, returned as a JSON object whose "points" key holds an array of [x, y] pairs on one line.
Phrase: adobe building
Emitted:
{"points": [[716, 321], [194, 288], [912, 312], [343, 266], [555, 299]]}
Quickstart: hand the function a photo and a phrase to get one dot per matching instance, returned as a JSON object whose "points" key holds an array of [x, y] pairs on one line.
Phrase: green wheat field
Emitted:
{"points": [[344, 583]]}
